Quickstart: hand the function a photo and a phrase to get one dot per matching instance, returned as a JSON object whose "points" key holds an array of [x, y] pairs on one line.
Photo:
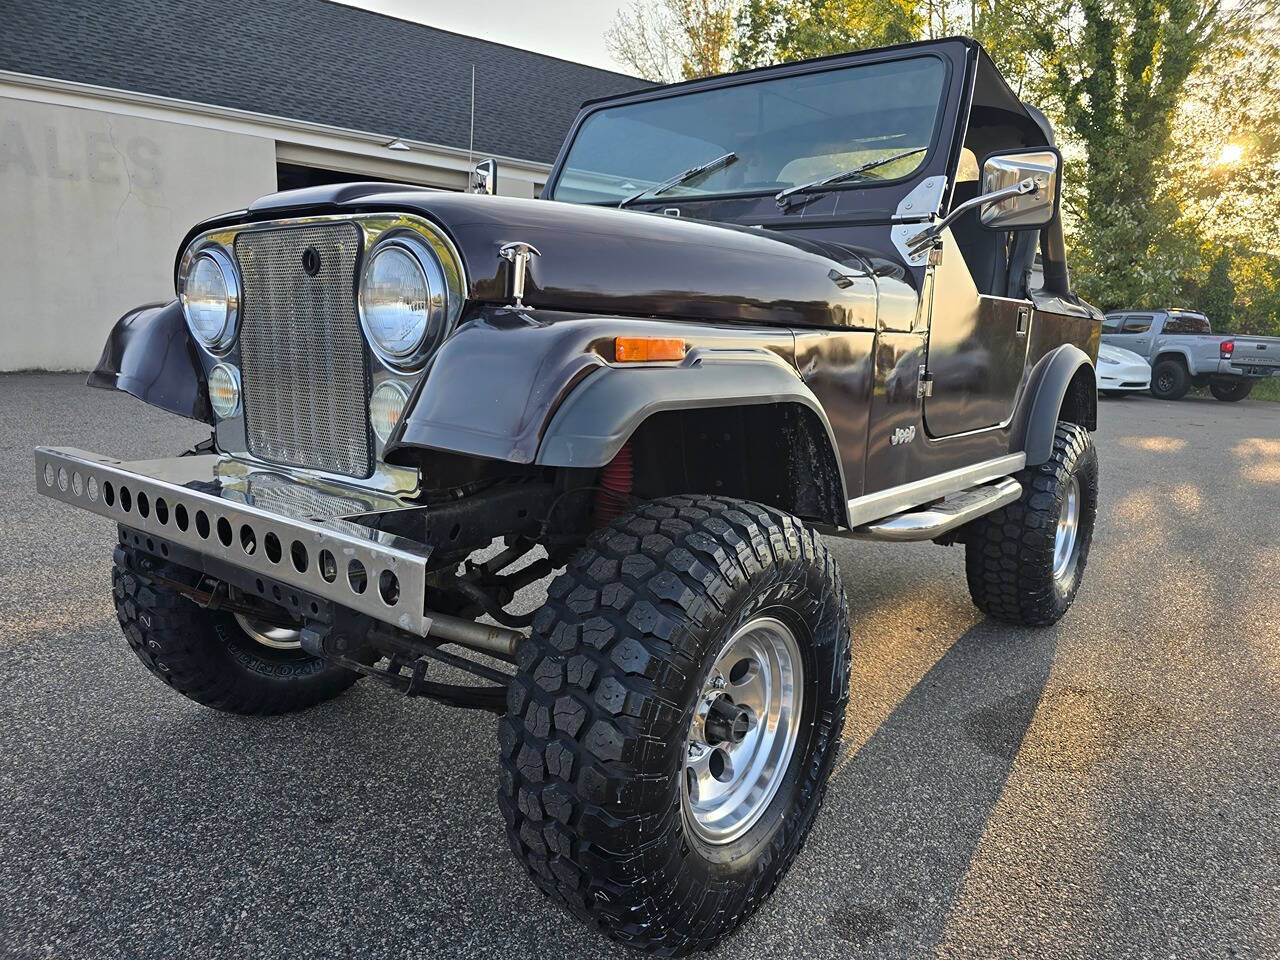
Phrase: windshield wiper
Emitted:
{"points": [[785, 195], [688, 176]]}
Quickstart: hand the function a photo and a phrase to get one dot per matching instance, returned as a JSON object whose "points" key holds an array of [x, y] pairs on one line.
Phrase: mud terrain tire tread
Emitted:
{"points": [[594, 735], [186, 647], [1009, 553]]}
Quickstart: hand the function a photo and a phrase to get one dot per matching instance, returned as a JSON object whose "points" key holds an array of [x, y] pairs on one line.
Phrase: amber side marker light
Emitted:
{"points": [[646, 349]]}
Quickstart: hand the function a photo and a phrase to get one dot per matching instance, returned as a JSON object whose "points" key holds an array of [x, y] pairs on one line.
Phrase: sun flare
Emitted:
{"points": [[1230, 154]]}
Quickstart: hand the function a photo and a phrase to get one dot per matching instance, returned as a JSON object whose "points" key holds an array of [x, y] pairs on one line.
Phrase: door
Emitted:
{"points": [[1136, 334], [977, 350]]}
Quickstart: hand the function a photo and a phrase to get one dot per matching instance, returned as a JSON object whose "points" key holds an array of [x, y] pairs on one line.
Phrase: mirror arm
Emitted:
{"points": [[934, 230]]}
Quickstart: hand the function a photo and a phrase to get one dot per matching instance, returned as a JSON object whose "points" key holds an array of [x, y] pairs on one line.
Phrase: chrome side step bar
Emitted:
{"points": [[943, 516]]}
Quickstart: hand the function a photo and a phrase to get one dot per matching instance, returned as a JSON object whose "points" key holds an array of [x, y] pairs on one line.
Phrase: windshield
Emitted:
{"points": [[785, 132]]}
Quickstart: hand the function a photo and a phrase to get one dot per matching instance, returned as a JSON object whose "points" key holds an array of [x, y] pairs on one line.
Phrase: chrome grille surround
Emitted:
{"points": [[231, 434], [303, 361]]}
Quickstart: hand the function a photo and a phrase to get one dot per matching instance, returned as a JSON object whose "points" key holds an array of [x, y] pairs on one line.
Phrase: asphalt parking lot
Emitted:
{"points": [[1108, 787]]}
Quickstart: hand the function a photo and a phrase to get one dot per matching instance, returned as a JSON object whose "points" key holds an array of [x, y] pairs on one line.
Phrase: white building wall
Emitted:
{"points": [[93, 206], [99, 186]]}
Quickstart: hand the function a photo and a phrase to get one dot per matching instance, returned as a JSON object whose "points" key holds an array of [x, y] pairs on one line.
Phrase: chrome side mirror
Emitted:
{"points": [[1019, 192], [484, 177], [1020, 211]]}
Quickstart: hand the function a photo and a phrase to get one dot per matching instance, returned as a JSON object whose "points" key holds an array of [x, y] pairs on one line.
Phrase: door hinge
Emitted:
{"points": [[1024, 320], [925, 387]]}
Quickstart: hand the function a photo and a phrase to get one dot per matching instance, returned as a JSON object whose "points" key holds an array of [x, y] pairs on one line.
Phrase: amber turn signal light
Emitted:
{"points": [[647, 349]]}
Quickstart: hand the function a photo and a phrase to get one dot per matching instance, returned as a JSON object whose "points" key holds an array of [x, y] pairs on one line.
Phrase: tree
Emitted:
{"points": [[779, 31], [1217, 295], [1256, 279], [1226, 166], [1115, 74], [671, 40]]}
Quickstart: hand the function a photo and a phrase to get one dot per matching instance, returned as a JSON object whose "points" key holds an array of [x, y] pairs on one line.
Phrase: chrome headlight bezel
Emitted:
{"points": [[225, 263], [443, 303]]}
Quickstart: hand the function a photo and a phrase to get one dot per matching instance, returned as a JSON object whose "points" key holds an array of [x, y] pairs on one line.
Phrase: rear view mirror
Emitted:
{"points": [[1020, 210], [1019, 192], [484, 177]]}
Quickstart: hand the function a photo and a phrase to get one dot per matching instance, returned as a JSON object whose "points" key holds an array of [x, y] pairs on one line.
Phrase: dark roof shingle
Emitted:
{"points": [[312, 60]]}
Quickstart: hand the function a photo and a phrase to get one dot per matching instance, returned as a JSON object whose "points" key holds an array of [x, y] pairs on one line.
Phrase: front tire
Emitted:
{"points": [[1170, 380], [215, 658], [1024, 562], [1230, 391], [627, 676]]}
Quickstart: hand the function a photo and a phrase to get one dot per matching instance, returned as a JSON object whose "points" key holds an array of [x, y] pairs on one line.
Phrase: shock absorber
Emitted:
{"points": [[616, 480]]}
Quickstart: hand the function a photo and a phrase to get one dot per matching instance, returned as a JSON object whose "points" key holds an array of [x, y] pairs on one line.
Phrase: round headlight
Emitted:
{"points": [[385, 407], [224, 390], [404, 302], [209, 292]]}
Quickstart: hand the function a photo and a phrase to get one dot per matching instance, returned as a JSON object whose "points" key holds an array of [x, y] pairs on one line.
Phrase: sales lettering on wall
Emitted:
{"points": [[95, 155]]}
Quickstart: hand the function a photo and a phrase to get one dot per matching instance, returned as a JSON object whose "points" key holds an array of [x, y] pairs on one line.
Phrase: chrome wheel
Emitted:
{"points": [[270, 635], [1064, 540], [743, 731]]}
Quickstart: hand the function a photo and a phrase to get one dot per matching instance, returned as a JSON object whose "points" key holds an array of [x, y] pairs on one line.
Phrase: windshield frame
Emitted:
{"points": [[765, 74]]}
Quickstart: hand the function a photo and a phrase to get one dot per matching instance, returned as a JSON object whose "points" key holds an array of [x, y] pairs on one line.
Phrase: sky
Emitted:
{"points": [[572, 29]]}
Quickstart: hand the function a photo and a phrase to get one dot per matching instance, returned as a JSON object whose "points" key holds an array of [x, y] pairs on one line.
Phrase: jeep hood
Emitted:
{"points": [[604, 260]]}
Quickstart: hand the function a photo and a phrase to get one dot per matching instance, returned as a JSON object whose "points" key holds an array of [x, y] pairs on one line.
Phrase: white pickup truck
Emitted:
{"points": [[1184, 352]]}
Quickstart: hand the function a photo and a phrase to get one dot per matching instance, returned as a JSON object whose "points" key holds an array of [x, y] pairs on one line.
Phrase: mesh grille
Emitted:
{"points": [[302, 360]]}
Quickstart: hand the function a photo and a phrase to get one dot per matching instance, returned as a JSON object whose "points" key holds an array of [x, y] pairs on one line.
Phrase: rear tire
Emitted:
{"points": [[1170, 380], [599, 762], [1024, 562], [208, 657], [1230, 391]]}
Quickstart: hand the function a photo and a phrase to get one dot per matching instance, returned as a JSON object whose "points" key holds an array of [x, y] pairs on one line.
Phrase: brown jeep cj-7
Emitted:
{"points": [[748, 310]]}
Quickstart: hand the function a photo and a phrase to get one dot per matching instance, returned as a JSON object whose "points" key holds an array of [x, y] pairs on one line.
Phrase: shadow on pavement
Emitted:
{"points": [[917, 796]]}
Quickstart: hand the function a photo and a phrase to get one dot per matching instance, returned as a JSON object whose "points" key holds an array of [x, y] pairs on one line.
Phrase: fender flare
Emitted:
{"points": [[1047, 389], [540, 390], [603, 411], [149, 354], [1182, 352]]}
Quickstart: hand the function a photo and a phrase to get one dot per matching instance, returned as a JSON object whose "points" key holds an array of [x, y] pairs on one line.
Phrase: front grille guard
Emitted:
{"points": [[214, 507]]}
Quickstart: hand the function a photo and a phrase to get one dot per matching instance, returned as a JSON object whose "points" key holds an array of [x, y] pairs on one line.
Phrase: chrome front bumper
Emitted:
{"points": [[289, 530]]}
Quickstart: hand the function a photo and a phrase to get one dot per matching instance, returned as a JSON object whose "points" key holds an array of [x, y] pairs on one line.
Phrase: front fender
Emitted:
{"points": [[492, 386], [149, 355], [540, 387]]}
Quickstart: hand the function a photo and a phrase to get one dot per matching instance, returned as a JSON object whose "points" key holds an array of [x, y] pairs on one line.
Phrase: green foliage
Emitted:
{"points": [[1116, 82], [780, 31], [1217, 295], [1255, 278]]}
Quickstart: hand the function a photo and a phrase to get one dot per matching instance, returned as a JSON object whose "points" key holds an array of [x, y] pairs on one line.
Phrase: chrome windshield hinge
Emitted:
{"points": [[916, 211], [518, 254]]}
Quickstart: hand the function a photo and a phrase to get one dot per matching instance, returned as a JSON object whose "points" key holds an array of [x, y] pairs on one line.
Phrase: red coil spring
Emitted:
{"points": [[616, 479]]}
